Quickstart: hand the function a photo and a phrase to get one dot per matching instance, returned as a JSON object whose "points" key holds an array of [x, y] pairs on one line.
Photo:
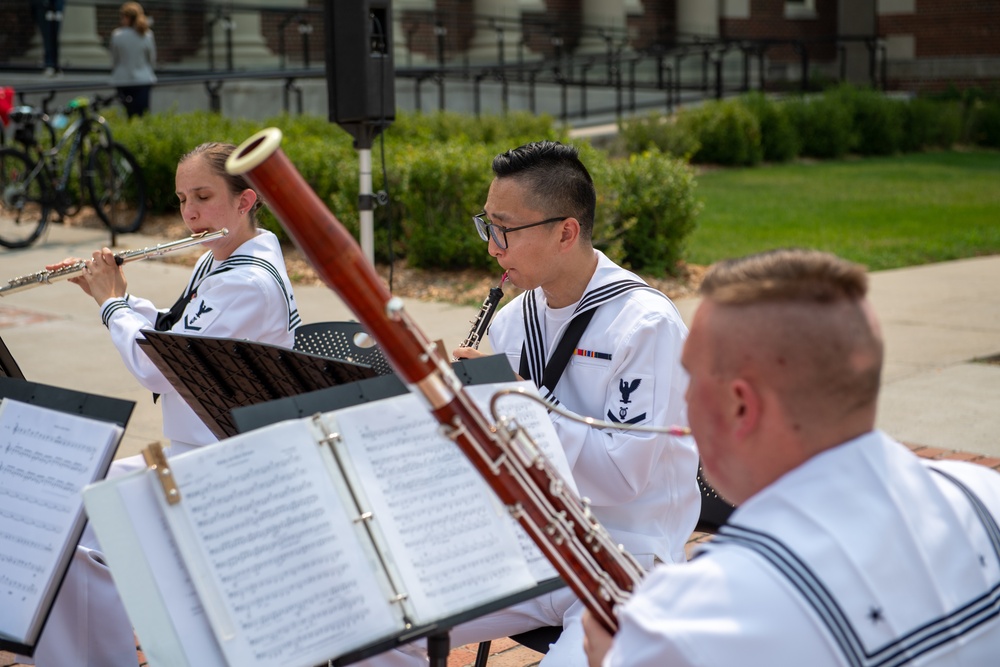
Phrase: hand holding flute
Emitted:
{"points": [[101, 277]]}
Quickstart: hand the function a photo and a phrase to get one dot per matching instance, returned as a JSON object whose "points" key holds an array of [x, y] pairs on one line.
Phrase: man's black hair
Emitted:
{"points": [[555, 176]]}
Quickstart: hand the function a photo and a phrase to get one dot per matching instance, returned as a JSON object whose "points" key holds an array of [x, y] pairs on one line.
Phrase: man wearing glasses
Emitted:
{"points": [[600, 342]]}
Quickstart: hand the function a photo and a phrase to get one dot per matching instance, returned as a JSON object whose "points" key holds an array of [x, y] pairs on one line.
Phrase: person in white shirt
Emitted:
{"points": [[846, 549], [622, 365], [239, 288]]}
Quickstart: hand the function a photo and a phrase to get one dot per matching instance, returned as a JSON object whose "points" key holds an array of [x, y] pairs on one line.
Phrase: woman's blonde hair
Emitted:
{"points": [[132, 12]]}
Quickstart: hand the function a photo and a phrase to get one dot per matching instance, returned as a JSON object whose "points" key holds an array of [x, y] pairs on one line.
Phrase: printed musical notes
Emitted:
{"points": [[447, 529], [301, 545], [167, 573], [46, 458], [274, 556]]}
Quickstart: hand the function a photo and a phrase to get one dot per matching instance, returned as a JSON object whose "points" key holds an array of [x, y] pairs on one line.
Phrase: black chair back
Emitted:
{"points": [[341, 340]]}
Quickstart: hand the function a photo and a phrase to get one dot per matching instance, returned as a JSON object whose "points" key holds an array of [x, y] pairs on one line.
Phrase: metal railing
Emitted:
{"points": [[693, 66]]}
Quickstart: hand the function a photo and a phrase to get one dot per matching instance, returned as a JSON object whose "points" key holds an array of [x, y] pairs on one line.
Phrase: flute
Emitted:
{"points": [[481, 324], [46, 277]]}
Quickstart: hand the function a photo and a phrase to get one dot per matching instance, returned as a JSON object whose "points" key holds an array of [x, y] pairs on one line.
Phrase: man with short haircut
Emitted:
{"points": [[845, 548], [598, 341]]}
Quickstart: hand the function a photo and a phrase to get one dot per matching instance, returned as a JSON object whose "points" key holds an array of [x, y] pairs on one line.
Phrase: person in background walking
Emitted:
{"points": [[133, 57], [48, 16]]}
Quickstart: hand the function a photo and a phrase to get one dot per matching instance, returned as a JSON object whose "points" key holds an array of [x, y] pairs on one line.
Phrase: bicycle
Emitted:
{"points": [[38, 181]]}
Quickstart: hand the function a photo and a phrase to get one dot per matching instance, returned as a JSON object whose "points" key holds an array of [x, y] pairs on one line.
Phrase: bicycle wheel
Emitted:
{"points": [[76, 187], [117, 187], [25, 203]]}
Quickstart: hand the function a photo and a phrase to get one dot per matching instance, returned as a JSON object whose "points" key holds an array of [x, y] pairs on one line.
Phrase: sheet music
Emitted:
{"points": [[285, 580], [172, 580], [445, 527], [534, 419], [46, 458]]}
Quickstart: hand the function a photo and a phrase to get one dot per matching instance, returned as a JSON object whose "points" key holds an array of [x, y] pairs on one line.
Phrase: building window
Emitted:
{"points": [[800, 9]]}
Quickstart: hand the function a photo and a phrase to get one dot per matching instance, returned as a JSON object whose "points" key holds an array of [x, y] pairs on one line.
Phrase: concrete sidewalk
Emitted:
{"points": [[938, 319]]}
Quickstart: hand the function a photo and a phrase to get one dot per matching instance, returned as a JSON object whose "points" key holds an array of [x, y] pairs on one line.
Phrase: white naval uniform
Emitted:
{"points": [[643, 486], [864, 555], [247, 296]]}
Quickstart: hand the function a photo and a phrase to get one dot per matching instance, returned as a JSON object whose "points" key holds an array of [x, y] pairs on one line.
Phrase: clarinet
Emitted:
{"points": [[47, 277], [600, 572], [481, 324]]}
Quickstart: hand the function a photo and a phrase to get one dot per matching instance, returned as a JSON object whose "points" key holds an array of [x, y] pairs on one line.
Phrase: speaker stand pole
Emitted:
{"points": [[366, 204]]}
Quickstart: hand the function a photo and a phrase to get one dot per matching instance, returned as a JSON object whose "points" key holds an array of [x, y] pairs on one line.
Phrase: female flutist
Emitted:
{"points": [[239, 289]]}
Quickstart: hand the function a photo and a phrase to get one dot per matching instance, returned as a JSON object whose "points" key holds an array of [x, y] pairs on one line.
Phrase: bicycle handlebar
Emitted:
{"points": [[29, 114]]}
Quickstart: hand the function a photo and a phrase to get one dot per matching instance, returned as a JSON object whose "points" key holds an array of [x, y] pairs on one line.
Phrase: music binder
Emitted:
{"points": [[55, 441], [215, 375], [339, 534]]}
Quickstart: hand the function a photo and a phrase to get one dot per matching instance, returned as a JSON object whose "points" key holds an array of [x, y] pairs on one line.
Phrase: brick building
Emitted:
{"points": [[902, 44]]}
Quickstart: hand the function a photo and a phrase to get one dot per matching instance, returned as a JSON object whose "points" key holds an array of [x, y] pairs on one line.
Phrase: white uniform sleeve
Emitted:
{"points": [[144, 307], [646, 388], [227, 305], [125, 325]]}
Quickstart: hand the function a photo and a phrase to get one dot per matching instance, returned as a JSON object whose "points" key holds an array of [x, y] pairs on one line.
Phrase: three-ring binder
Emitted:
{"points": [[156, 461]]}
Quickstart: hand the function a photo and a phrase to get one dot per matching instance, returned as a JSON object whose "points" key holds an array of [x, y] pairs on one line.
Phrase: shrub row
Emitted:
{"points": [[746, 130], [438, 171]]}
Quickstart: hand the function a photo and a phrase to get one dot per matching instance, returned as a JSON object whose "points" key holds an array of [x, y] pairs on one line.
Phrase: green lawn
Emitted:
{"points": [[882, 212]]}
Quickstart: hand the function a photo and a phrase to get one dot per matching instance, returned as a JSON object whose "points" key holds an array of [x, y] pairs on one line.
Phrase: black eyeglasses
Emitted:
{"points": [[499, 233]]}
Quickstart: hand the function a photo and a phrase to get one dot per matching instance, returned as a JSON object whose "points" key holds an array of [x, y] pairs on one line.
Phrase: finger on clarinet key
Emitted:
{"points": [[466, 353]]}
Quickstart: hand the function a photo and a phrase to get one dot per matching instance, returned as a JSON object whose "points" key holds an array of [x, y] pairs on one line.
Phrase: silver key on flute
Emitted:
{"points": [[47, 277]]}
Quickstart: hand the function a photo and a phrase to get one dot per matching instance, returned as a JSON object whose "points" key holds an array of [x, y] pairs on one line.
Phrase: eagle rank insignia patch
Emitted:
{"points": [[632, 403], [199, 317]]}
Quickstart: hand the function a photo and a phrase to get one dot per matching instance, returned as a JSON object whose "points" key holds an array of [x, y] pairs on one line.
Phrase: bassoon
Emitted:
{"points": [[600, 572]]}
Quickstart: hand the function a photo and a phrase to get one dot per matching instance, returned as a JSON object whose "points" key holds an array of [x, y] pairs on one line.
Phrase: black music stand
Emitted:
{"points": [[483, 370], [216, 375], [438, 643], [101, 408], [8, 367]]}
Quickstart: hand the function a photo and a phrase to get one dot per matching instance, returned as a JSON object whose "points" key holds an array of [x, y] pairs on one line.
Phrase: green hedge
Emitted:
{"points": [[439, 163], [727, 133], [439, 192], [656, 209], [779, 140], [831, 124], [438, 166], [658, 131], [984, 123], [823, 124], [931, 124]]}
